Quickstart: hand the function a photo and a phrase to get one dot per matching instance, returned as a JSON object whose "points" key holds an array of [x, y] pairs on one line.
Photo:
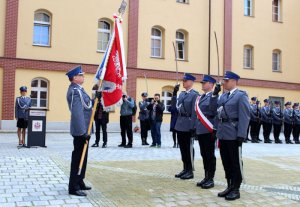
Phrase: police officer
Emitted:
{"points": [[207, 107], [288, 122], [80, 106], [296, 127], [22, 106], [254, 120], [277, 121], [144, 118], [266, 119], [185, 125], [233, 119]]}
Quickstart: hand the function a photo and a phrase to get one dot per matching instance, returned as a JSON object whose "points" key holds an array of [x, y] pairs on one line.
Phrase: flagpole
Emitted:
{"points": [[100, 82]]}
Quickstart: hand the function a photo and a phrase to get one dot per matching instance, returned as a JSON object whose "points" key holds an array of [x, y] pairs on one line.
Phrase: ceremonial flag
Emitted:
{"points": [[112, 69]]}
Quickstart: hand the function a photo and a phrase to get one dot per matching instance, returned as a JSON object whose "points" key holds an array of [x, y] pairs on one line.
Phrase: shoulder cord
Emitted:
{"points": [[81, 99], [22, 107]]}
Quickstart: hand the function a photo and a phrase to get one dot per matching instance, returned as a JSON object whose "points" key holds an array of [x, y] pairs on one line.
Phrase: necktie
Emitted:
{"points": [[228, 95], [203, 95]]}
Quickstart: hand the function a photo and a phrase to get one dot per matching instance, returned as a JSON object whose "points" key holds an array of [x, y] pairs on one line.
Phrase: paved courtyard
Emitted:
{"points": [[141, 176]]}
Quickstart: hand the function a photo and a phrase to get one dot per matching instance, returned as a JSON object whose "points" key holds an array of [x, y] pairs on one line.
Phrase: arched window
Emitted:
{"points": [[166, 96], [248, 57], [104, 33], [276, 60], [180, 45], [41, 29], [156, 42], [39, 93]]}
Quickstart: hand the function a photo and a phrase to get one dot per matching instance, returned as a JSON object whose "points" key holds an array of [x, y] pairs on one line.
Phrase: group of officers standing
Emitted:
{"points": [[272, 115]]}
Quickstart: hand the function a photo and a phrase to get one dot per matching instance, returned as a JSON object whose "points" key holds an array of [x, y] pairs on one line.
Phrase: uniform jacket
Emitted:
{"points": [[159, 109], [277, 116], [144, 112], [105, 114], [22, 106], [288, 116], [208, 105], [186, 120], [234, 107], [80, 106], [254, 112], [266, 114], [297, 117], [174, 113], [127, 106]]}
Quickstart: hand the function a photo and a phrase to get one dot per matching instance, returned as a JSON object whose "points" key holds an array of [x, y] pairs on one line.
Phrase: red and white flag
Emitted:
{"points": [[208, 125], [112, 70]]}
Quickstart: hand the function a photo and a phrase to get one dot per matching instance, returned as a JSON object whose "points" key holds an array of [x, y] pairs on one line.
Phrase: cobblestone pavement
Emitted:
{"points": [[141, 176]]}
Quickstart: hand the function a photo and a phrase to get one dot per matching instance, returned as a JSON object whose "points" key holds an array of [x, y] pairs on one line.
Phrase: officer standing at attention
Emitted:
{"points": [[266, 119], [277, 121], [22, 105], [233, 120], [144, 118], [296, 127], [207, 106], [254, 116], [185, 125], [288, 122], [80, 106]]}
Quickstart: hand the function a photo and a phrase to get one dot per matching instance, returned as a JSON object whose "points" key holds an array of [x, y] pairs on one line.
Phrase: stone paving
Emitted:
{"points": [[141, 176]]}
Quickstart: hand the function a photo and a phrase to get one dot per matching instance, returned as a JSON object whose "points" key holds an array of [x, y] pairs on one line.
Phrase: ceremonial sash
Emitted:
{"points": [[208, 125]]}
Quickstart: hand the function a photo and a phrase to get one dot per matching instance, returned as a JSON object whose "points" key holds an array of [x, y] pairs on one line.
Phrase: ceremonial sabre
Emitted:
{"points": [[217, 45], [241, 165], [121, 11], [175, 51]]}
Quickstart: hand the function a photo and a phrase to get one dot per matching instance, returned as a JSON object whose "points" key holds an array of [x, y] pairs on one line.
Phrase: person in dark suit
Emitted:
{"points": [[80, 106], [22, 106], [144, 118]]}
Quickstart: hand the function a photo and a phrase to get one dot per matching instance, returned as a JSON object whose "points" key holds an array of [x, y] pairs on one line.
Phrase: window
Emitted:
{"points": [[182, 1], [41, 29], [276, 60], [104, 32], [276, 10], [39, 93], [248, 7], [166, 97], [156, 42], [248, 57], [180, 45]]}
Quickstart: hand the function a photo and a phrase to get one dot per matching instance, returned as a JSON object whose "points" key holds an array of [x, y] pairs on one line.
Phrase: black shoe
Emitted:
{"points": [[248, 139], [297, 142], [188, 175], [84, 187], [146, 143], [233, 195], [143, 143], [128, 146], [289, 142], [278, 141], [152, 145], [254, 141], [259, 140], [227, 190], [77, 193], [180, 174], [174, 146], [104, 145], [121, 145], [267, 141], [95, 145], [208, 184], [199, 184]]}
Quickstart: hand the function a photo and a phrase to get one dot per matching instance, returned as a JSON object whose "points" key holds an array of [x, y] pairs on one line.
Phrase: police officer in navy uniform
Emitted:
{"points": [[144, 118], [266, 119], [233, 120], [80, 106], [288, 122], [296, 126], [277, 121], [208, 106], [254, 120], [185, 125], [22, 106]]}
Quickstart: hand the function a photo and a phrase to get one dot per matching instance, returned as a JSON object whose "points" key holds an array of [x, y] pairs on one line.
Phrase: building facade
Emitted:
{"points": [[41, 40]]}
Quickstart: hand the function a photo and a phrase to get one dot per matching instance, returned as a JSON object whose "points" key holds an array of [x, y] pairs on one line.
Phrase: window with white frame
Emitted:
{"points": [[104, 32], [156, 42], [276, 60], [182, 1], [248, 7], [39, 93], [248, 57], [276, 10], [166, 97], [41, 29], [180, 45]]}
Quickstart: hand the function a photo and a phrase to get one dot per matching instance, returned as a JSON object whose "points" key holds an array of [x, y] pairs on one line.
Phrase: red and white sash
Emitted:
{"points": [[208, 125]]}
